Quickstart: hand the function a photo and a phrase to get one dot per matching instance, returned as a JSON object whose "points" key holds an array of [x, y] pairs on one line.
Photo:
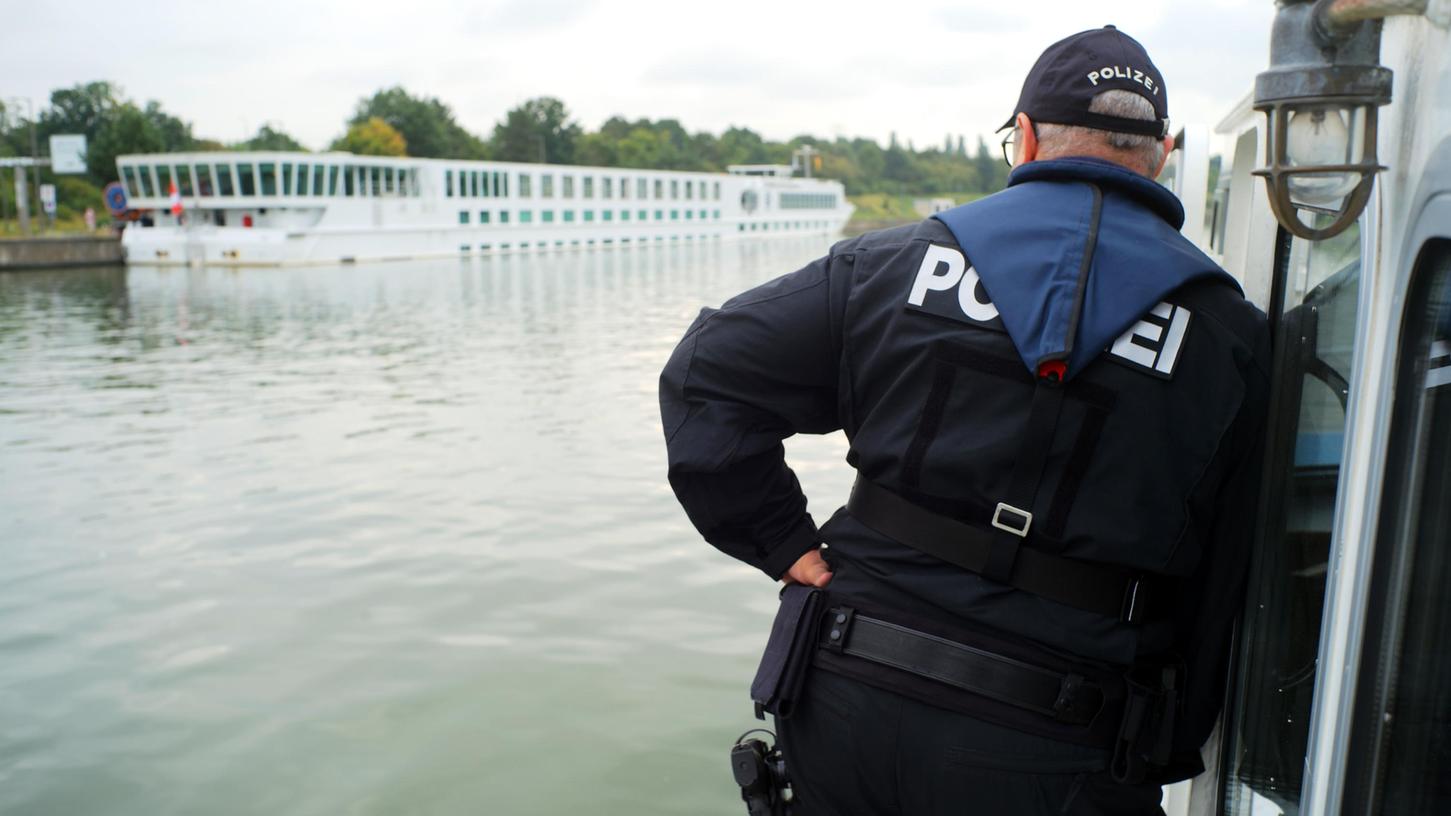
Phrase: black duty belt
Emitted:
{"points": [[1066, 697], [1102, 588]]}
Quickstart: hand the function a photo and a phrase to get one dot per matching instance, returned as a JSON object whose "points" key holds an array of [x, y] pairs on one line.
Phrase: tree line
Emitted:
{"points": [[394, 122]]}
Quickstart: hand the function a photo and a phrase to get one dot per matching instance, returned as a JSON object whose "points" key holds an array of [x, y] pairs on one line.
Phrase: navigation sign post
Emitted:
{"points": [[68, 153], [115, 196]]}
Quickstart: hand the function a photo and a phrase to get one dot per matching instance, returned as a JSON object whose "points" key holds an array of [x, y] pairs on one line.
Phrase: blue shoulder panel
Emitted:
{"points": [[1028, 242]]}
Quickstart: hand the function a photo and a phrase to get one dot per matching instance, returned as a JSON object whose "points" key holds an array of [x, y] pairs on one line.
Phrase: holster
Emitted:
{"points": [[788, 651], [1146, 735]]}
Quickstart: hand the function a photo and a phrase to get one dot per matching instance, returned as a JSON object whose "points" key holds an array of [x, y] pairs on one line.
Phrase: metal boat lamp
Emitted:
{"points": [[1321, 95]]}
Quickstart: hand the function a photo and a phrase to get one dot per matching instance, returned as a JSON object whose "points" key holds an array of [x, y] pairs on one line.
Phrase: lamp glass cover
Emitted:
{"points": [[1322, 135]]}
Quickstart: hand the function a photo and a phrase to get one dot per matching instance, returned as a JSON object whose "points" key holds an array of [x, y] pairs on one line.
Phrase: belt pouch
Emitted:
{"points": [[788, 651]]}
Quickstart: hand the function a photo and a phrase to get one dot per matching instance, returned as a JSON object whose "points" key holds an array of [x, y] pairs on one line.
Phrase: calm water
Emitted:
{"points": [[374, 539]]}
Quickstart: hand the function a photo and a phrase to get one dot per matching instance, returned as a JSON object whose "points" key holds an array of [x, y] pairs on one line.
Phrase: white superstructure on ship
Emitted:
{"points": [[267, 208]]}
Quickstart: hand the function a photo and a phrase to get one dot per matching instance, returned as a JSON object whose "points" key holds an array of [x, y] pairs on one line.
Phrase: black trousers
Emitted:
{"points": [[854, 749]]}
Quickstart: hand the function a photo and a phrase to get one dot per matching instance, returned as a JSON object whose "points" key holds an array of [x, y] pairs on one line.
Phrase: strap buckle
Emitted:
{"points": [[1018, 522]]}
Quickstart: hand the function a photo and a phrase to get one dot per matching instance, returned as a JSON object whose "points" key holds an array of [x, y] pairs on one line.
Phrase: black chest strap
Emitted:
{"points": [[1111, 591]]}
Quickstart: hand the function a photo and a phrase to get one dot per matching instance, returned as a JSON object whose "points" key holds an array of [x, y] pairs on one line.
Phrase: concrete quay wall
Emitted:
{"points": [[69, 250]]}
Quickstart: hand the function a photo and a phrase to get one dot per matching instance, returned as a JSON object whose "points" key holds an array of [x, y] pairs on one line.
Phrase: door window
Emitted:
{"points": [[1313, 306], [1401, 736]]}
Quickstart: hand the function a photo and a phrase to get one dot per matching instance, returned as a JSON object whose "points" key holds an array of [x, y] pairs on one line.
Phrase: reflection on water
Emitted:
{"points": [[371, 539]]}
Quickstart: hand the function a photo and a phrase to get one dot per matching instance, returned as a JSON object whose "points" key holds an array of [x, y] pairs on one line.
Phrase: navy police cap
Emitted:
{"points": [[1072, 71]]}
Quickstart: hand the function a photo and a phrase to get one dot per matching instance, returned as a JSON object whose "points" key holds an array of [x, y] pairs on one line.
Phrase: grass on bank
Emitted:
{"points": [[879, 209]]}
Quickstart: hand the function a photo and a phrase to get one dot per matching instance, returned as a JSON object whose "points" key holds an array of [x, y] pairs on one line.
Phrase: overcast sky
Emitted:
{"points": [[922, 68]]}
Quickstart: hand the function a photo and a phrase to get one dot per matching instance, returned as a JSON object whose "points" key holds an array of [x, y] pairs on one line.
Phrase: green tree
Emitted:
{"points": [[538, 130], [81, 108], [991, 169], [426, 124], [125, 129], [175, 134], [373, 137], [270, 138]]}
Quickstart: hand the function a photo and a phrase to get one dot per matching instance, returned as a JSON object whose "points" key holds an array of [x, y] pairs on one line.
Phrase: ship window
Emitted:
{"points": [[589, 187], [717, 191], [674, 190], [128, 178], [287, 171], [448, 184], [474, 184], [503, 216], [497, 188], [608, 215], [624, 215], [659, 215], [642, 188], [526, 216], [1315, 312], [689, 190], [675, 215], [304, 178], [568, 190], [568, 216], [505, 181], [589, 215], [526, 182], [659, 189], [609, 191], [547, 216], [163, 179], [716, 214], [374, 177], [268, 173], [332, 181], [203, 173], [483, 216], [224, 180], [183, 180], [463, 216], [546, 185], [644, 215], [319, 179], [246, 180], [349, 181], [689, 215]]}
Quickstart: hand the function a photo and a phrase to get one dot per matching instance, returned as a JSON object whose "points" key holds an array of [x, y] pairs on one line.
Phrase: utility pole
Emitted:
{"points": [[22, 195]]}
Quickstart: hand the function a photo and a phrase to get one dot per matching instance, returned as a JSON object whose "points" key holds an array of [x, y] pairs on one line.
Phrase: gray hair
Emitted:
{"points": [[1067, 140]]}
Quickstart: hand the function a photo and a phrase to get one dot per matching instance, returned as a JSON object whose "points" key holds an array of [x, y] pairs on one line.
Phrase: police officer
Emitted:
{"points": [[1054, 404]]}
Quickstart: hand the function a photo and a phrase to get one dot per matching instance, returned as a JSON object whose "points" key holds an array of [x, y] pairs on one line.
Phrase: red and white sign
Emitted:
{"points": [[175, 199]]}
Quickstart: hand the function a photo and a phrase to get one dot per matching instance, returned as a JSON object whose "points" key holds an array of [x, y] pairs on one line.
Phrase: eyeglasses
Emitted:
{"points": [[1010, 142]]}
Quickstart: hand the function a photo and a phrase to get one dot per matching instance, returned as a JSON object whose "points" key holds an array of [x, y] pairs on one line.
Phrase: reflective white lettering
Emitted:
{"points": [[1154, 343], [1093, 77], [928, 280], [1169, 354], [981, 310]]}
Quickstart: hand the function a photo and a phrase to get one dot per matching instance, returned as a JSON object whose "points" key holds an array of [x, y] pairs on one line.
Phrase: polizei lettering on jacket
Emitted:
{"points": [[1152, 344], [946, 285], [1123, 72]]}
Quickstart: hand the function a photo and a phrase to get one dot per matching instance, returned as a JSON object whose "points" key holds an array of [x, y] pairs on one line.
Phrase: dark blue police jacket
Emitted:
{"points": [[920, 342]]}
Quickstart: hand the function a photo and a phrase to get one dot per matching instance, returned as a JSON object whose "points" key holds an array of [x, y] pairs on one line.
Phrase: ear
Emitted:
{"points": [[1168, 148], [1027, 140]]}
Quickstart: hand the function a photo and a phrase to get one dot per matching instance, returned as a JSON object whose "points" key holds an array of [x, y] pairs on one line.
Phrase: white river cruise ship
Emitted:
{"points": [[270, 209]]}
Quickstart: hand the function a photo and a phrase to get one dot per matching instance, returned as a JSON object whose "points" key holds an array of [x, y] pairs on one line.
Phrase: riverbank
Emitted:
{"points": [[60, 251]]}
